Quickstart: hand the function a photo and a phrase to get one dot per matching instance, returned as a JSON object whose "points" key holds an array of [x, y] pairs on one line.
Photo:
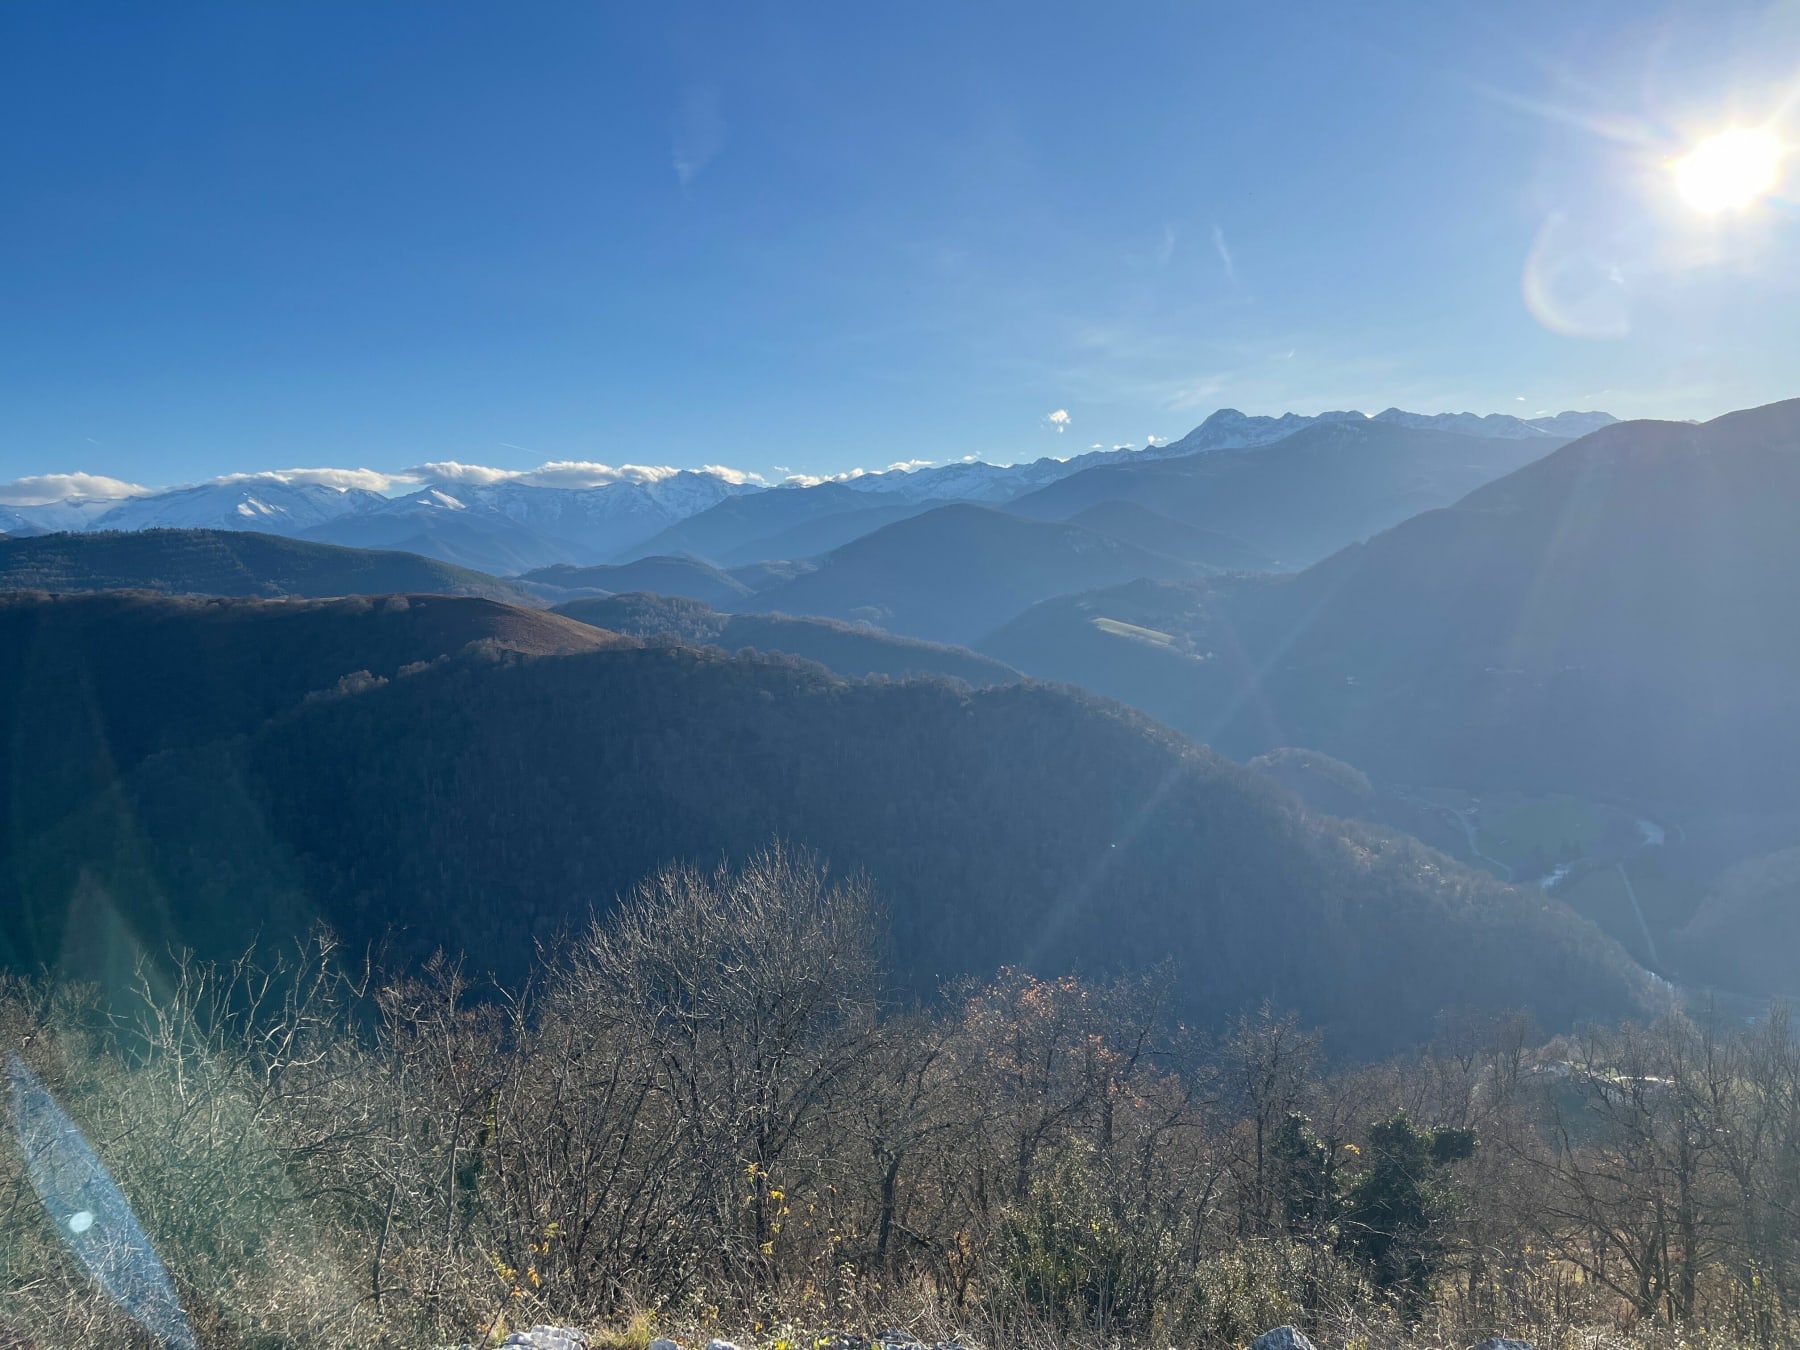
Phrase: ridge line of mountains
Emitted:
{"points": [[510, 526], [1571, 666]]}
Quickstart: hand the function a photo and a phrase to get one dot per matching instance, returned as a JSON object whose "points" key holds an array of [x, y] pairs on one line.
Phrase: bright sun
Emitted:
{"points": [[1729, 171]]}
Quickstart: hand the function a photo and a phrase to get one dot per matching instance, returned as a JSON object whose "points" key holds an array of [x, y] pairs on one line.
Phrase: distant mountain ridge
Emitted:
{"points": [[231, 563], [844, 649], [508, 525], [1617, 618], [1306, 495], [956, 573]]}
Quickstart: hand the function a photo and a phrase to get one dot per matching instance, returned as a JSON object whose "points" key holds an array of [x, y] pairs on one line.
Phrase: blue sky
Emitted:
{"points": [[807, 236]]}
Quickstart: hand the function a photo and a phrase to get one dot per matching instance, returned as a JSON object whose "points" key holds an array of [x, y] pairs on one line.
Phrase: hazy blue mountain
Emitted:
{"points": [[230, 562], [1617, 618], [956, 573], [1305, 496], [760, 576], [813, 537], [15, 526], [687, 577], [722, 531], [1133, 524], [850, 650], [481, 540]]}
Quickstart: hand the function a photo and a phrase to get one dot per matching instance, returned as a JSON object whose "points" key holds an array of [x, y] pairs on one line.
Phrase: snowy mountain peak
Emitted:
{"points": [[579, 512]]}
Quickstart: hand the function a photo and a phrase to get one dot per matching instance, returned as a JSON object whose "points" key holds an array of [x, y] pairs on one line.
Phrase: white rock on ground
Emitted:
{"points": [[547, 1338], [1282, 1338]]}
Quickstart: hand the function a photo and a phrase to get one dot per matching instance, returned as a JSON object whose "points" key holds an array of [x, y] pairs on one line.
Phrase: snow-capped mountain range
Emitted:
{"points": [[507, 522]]}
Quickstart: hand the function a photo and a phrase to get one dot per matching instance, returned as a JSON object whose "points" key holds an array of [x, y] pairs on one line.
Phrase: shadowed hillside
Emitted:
{"points": [[230, 562], [483, 803], [688, 577], [94, 684], [954, 574], [842, 648]]}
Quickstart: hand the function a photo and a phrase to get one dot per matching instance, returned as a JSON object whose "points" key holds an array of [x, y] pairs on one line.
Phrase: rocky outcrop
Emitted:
{"points": [[544, 1338], [1282, 1338]]}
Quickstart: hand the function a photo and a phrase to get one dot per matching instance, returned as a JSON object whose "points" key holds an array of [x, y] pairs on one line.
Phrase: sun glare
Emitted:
{"points": [[1729, 171]]}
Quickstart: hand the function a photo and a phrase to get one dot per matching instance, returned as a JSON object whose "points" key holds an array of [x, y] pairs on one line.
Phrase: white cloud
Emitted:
{"points": [[1096, 446], [737, 477], [1224, 252], [578, 473], [344, 480], [908, 465], [1198, 392], [1122, 446], [45, 488], [1059, 419], [564, 473], [449, 471]]}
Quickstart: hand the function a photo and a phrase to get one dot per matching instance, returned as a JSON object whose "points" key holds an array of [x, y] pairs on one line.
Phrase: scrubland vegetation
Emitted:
{"points": [[702, 1114]]}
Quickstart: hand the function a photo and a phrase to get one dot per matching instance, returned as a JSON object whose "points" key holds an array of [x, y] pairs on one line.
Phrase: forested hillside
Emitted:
{"points": [[485, 802], [688, 577], [846, 649], [230, 562]]}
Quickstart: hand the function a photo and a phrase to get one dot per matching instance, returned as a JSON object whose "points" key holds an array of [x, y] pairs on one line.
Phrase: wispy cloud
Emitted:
{"points": [[1196, 393], [908, 465], [1165, 251], [699, 134], [42, 489], [1224, 251], [1620, 128]]}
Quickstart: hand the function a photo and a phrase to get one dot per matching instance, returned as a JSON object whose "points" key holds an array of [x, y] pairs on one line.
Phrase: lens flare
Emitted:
{"points": [[86, 1203], [1728, 172]]}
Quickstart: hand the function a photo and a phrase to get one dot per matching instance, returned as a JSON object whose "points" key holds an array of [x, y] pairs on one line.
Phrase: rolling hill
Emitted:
{"points": [[956, 573], [1304, 497], [842, 648], [688, 577], [230, 562], [94, 685], [481, 802]]}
